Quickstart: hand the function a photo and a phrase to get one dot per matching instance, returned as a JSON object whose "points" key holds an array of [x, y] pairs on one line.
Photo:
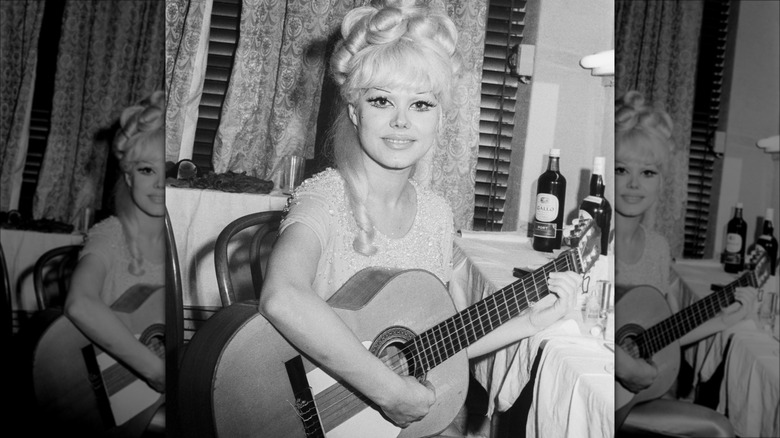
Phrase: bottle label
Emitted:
{"points": [[546, 207], [733, 243], [733, 258], [585, 214], [544, 229]]}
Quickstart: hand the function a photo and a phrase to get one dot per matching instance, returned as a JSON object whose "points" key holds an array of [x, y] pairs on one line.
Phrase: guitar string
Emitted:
{"points": [[563, 260]]}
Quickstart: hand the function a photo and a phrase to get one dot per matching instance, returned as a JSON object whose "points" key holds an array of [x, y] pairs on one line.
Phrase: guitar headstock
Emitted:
{"points": [[757, 261], [585, 238]]}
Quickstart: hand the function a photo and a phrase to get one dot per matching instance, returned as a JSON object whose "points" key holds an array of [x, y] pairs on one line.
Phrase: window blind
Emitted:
{"points": [[223, 40], [503, 31], [709, 84]]}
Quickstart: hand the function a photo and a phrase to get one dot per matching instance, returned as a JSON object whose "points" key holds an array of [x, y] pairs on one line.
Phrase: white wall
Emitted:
{"points": [[569, 109], [750, 175]]}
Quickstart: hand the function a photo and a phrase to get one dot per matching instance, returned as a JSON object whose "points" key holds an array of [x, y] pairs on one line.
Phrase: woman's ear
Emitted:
{"points": [[128, 180], [352, 114]]}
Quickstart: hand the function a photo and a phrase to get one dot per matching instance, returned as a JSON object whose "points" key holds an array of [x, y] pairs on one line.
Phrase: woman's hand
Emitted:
{"points": [[744, 305], [411, 402], [634, 374], [564, 286]]}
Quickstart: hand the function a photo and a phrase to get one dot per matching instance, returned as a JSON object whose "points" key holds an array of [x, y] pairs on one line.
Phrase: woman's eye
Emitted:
{"points": [[423, 105], [649, 173], [620, 170], [379, 102], [146, 170]]}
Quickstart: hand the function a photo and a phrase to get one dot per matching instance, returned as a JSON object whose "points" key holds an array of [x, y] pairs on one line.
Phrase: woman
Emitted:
{"points": [[642, 148], [126, 250], [395, 68]]}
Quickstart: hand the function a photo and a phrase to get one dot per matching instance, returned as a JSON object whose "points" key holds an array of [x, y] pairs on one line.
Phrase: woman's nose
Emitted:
{"points": [[633, 182], [400, 120]]}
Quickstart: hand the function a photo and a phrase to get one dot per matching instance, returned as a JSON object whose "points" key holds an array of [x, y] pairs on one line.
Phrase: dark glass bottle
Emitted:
{"points": [[768, 240], [736, 230], [550, 200], [596, 206]]}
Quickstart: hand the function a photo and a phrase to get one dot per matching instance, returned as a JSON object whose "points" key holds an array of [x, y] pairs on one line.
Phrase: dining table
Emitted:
{"points": [[197, 217], [22, 249], [748, 351], [573, 383]]}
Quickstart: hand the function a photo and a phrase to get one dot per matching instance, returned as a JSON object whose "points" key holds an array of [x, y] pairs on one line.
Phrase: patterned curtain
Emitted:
{"points": [[111, 54], [657, 45], [186, 35], [20, 26], [272, 104]]}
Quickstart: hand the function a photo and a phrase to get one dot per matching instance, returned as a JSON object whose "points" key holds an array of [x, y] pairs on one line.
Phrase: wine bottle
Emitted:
{"points": [[596, 206], [736, 230], [768, 240], [550, 200]]}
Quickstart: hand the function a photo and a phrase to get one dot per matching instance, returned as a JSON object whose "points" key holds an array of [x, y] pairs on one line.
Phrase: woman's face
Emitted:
{"points": [[146, 180], [637, 184], [396, 127]]}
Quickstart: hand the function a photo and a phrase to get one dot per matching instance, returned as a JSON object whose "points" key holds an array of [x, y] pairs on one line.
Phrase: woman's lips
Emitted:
{"points": [[632, 199]]}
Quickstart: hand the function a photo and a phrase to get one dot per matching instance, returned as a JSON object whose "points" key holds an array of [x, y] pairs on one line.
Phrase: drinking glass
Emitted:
{"points": [[292, 176]]}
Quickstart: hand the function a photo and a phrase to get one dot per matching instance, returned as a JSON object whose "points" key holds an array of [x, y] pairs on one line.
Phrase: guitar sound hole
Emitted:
{"points": [[391, 346], [394, 357]]}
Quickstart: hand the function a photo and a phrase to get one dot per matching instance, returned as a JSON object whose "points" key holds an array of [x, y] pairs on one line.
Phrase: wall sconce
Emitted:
{"points": [[601, 64], [770, 145]]}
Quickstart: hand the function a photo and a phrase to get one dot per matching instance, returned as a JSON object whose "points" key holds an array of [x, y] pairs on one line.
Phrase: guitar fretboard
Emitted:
{"points": [[676, 326], [447, 338]]}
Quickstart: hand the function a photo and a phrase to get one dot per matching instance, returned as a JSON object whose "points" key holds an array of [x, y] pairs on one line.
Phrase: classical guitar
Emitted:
{"points": [[81, 387], [646, 328], [241, 378]]}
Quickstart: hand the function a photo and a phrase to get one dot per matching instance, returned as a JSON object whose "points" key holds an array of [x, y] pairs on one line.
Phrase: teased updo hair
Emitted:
{"points": [[396, 44], [642, 130], [141, 128]]}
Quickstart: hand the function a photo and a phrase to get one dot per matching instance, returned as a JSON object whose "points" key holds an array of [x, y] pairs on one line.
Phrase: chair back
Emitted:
{"points": [[267, 222], [5, 283], [174, 328], [62, 261]]}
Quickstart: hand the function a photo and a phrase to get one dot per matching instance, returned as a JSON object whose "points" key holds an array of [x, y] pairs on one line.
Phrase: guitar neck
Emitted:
{"points": [[447, 338], [678, 325]]}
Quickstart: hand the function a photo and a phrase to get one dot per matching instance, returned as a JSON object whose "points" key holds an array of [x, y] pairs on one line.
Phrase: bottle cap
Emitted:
{"points": [[598, 166], [739, 205], [555, 152]]}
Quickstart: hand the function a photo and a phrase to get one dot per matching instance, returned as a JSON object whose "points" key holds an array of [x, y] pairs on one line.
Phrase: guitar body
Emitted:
{"points": [[63, 381], [236, 378], [638, 309]]}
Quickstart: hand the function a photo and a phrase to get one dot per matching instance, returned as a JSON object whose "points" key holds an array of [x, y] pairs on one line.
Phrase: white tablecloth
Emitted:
{"points": [[750, 391], [22, 249], [197, 217], [482, 264], [573, 392]]}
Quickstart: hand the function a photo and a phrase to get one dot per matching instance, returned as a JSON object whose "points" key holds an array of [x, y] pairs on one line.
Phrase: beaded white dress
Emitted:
{"points": [[321, 204]]}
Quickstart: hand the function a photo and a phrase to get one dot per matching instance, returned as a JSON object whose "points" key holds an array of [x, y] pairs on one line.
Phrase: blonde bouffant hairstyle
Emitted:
{"points": [[642, 130], [141, 127], [396, 44]]}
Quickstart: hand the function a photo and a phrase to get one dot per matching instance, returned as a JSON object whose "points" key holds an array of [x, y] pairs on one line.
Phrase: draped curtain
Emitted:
{"points": [[657, 44], [111, 54], [20, 26], [274, 98]]}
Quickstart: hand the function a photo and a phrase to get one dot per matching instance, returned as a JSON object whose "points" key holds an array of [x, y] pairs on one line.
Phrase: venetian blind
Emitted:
{"points": [[709, 84], [223, 39], [504, 30]]}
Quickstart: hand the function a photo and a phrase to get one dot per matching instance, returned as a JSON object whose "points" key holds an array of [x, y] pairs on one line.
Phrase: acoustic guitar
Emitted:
{"points": [[81, 388], [241, 378], [646, 328]]}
